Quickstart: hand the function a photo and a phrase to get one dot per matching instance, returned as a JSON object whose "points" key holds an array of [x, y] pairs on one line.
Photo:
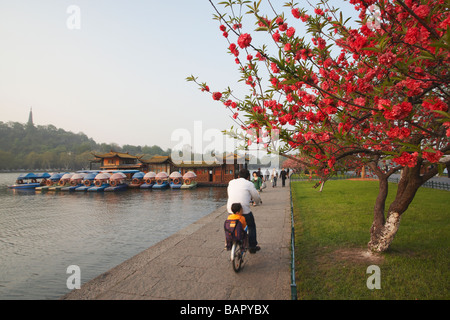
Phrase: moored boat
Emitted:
{"points": [[161, 181], [117, 182], [189, 181], [63, 182], [30, 181], [50, 182], [75, 182], [149, 180], [88, 182], [137, 180], [100, 182], [176, 180]]}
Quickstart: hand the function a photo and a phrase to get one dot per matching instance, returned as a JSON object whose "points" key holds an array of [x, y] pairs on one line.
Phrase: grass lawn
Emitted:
{"points": [[332, 230]]}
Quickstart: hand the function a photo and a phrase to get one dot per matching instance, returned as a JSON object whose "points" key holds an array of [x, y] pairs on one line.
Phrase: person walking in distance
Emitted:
{"points": [[242, 190], [266, 175], [283, 176], [274, 177]]}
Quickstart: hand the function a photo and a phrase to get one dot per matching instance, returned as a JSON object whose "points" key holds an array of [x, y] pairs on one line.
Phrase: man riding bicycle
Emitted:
{"points": [[242, 190]]}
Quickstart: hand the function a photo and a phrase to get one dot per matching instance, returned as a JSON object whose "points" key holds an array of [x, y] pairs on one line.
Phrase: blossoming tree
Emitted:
{"points": [[371, 93]]}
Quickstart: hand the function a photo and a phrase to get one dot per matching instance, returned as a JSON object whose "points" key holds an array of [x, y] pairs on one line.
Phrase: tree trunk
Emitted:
{"points": [[383, 231], [382, 237]]}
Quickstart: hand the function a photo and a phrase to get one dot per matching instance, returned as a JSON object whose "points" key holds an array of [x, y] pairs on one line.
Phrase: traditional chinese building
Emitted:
{"points": [[118, 161], [158, 164], [218, 172]]}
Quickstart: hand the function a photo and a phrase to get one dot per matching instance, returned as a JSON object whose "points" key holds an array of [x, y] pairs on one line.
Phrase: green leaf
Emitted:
{"points": [[376, 49], [409, 146], [443, 113]]}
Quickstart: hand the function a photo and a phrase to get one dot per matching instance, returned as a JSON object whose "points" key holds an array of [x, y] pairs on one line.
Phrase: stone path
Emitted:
{"points": [[193, 264]]}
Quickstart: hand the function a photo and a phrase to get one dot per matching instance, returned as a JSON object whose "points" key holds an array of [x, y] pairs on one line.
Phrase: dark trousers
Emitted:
{"points": [[251, 227]]}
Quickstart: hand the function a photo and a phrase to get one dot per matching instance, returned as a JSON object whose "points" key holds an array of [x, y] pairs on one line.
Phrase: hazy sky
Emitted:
{"points": [[120, 77]]}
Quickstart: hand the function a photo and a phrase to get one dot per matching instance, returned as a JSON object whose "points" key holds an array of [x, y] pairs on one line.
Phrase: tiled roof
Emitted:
{"points": [[115, 154], [156, 159]]}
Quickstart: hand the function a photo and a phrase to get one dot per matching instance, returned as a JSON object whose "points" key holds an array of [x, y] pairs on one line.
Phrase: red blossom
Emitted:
{"points": [[422, 11], [331, 162], [447, 132], [412, 35], [398, 111], [264, 22], [290, 32], [319, 11], [399, 133], [321, 43], [435, 104], [217, 95], [387, 59], [296, 13], [260, 57], [276, 36], [274, 67], [433, 157], [244, 40], [233, 49], [237, 26], [407, 159], [304, 17]]}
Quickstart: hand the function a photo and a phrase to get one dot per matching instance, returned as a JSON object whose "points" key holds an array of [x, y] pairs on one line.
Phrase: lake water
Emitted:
{"points": [[41, 234]]}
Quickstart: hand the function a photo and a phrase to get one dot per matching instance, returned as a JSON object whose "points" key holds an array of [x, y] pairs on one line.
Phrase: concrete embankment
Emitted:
{"points": [[193, 264]]}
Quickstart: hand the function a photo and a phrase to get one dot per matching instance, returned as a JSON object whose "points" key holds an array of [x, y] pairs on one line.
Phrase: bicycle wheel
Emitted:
{"points": [[236, 256]]}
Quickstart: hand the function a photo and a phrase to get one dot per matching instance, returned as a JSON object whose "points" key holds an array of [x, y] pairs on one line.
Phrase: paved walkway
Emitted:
{"points": [[192, 264]]}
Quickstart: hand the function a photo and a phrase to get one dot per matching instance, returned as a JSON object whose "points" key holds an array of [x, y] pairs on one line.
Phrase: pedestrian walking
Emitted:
{"points": [[257, 181], [274, 177], [283, 176], [266, 175]]}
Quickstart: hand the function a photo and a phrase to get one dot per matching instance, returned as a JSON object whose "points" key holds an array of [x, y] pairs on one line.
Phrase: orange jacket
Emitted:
{"points": [[239, 217]]}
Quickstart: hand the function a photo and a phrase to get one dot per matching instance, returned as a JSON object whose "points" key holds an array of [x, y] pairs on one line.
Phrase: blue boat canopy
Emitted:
{"points": [[27, 176], [89, 176], [32, 175], [88, 171], [56, 176], [44, 175], [138, 175]]}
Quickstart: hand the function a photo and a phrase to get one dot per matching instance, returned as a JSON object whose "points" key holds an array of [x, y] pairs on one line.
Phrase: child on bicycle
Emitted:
{"points": [[236, 208]]}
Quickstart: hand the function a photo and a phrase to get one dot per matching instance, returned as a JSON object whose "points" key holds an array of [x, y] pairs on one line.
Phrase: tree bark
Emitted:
{"points": [[384, 235], [378, 211], [383, 230]]}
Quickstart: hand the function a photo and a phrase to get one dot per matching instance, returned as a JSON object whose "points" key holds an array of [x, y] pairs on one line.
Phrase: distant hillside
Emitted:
{"points": [[25, 146]]}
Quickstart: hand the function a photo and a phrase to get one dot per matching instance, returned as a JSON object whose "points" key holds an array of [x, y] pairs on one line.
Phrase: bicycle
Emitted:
{"points": [[238, 251]]}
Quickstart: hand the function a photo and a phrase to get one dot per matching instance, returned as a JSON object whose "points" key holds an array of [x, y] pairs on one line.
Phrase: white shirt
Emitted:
{"points": [[243, 191]]}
